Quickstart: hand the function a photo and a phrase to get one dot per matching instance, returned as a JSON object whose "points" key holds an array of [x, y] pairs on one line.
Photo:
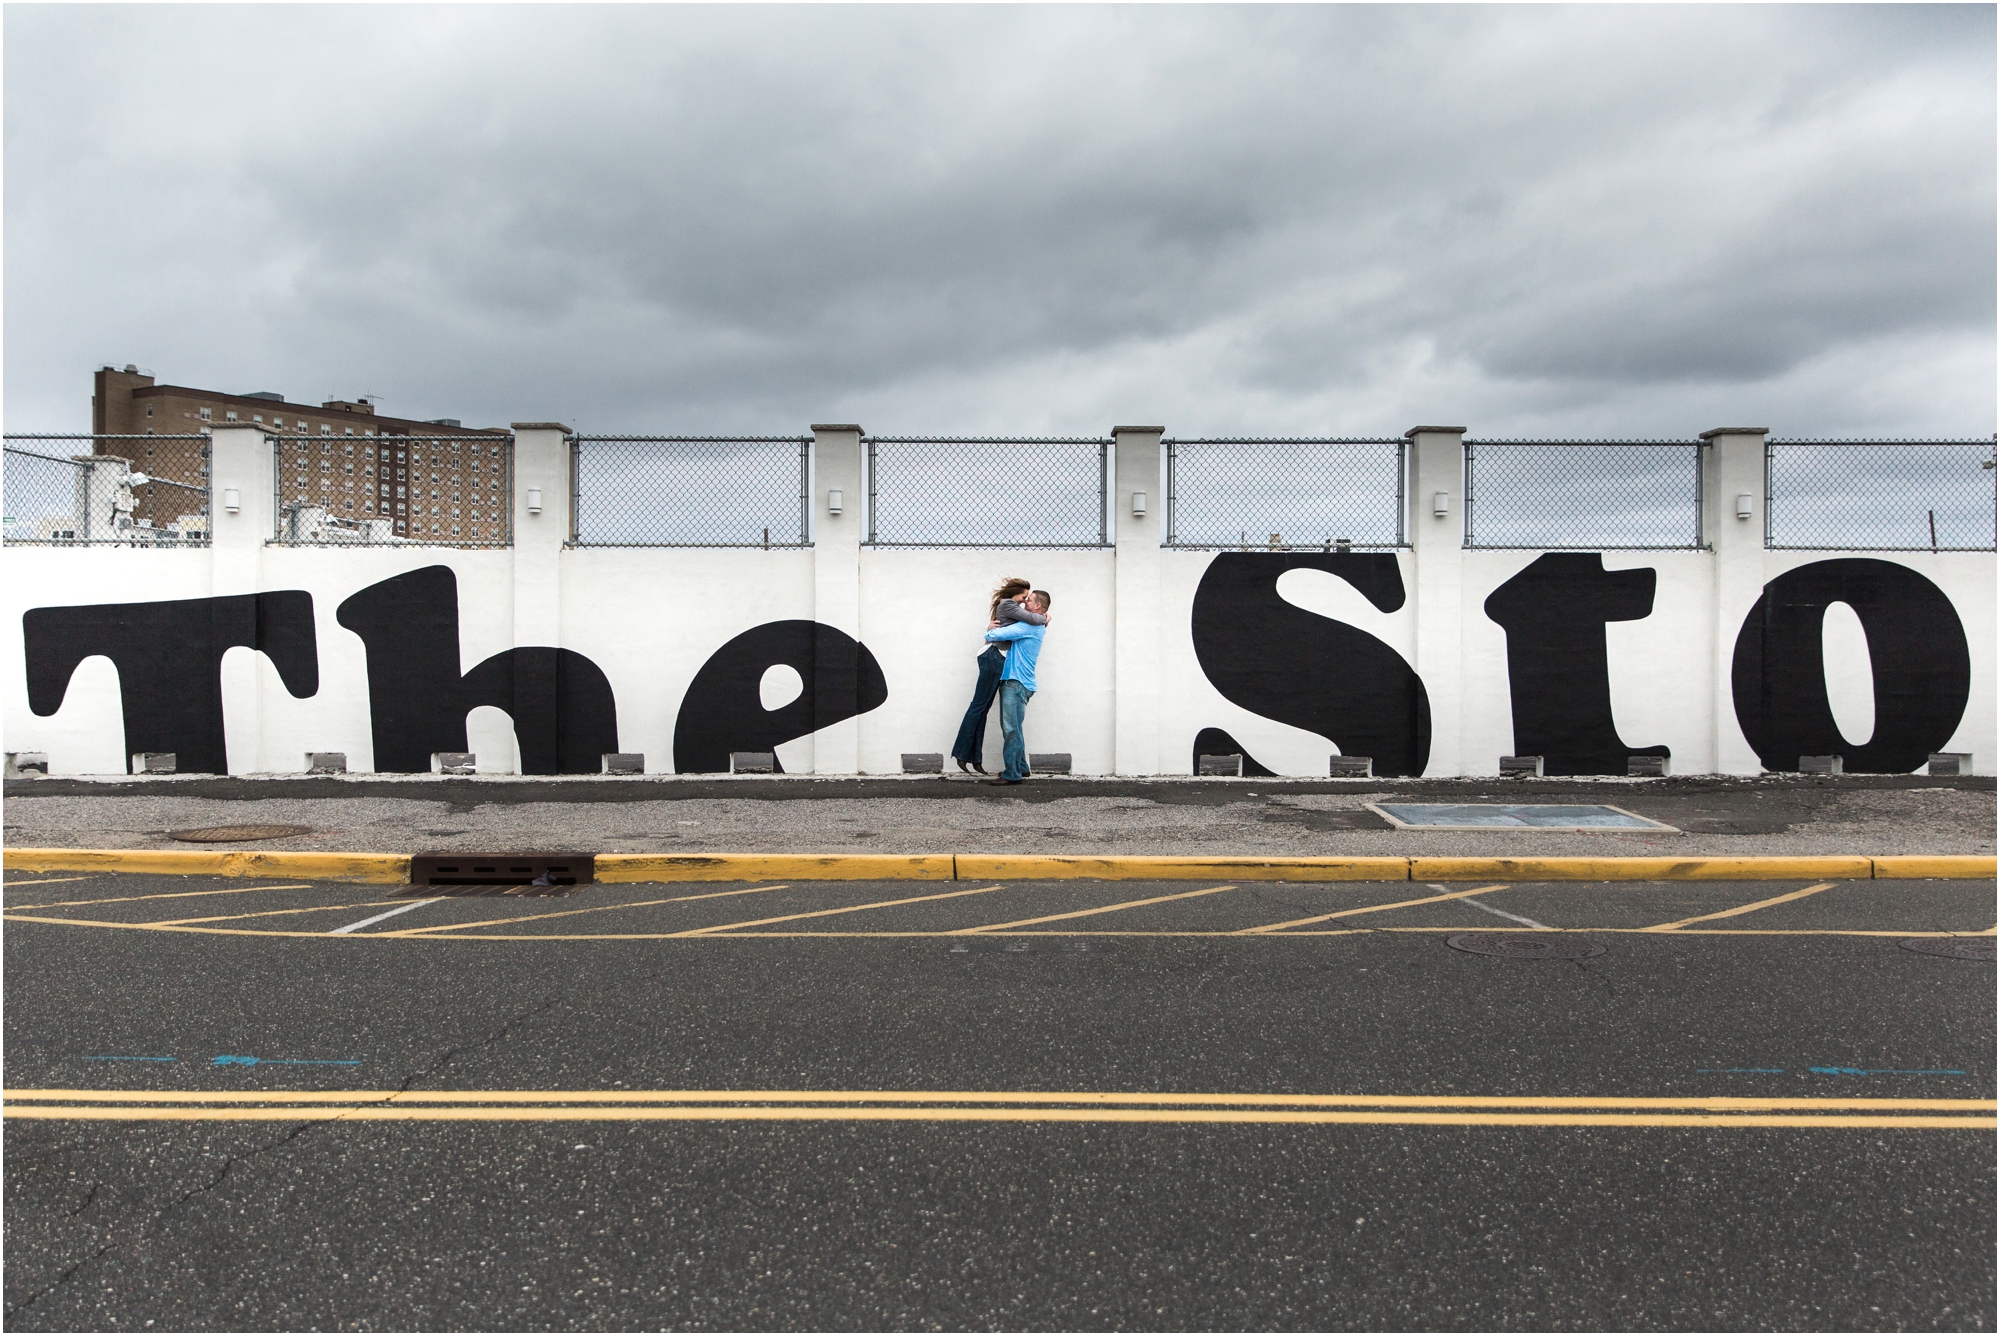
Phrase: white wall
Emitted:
{"points": [[650, 618]]}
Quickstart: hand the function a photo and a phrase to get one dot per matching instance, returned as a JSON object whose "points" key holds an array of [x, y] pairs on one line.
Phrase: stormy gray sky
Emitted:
{"points": [[1620, 221]]}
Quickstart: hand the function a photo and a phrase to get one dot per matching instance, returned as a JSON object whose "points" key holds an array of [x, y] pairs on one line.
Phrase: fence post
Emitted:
{"points": [[837, 464], [1437, 465], [541, 464], [1735, 467], [1135, 471]]}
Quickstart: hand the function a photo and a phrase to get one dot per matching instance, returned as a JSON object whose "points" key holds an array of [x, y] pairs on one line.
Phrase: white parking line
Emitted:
{"points": [[399, 909], [1503, 913]]}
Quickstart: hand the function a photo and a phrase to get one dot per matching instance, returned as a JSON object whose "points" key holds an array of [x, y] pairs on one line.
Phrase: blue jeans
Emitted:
{"points": [[1014, 700], [971, 744]]}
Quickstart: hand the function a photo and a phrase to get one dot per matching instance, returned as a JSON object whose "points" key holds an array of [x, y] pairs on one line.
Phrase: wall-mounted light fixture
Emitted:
{"points": [[1745, 506], [1440, 504], [232, 500], [1138, 503], [833, 501], [534, 500]]}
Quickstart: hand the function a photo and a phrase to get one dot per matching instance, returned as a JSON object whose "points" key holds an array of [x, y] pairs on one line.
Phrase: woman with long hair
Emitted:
{"points": [[970, 748]]}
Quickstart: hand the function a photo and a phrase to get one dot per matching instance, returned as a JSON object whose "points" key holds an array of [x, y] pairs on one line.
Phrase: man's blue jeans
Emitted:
{"points": [[1014, 700]]}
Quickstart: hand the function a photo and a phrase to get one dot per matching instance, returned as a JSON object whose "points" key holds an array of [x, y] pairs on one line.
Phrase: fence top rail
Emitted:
{"points": [[497, 438], [87, 436], [1864, 440], [699, 440], [53, 459], [987, 440], [1533, 441], [1285, 440]]}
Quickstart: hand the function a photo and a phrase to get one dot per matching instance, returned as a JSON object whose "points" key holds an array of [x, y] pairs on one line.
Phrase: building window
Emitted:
{"points": [[207, 415], [325, 430], [256, 417], [350, 449], [350, 431], [278, 422], [230, 415], [149, 410]]}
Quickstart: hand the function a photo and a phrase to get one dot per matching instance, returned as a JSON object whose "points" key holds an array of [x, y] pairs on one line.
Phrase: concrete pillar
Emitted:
{"points": [[838, 466], [541, 527], [1136, 479], [1437, 467], [1734, 468], [241, 467]]}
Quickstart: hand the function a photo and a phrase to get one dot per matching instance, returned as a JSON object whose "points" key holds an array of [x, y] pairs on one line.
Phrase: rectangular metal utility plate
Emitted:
{"points": [[1513, 816]]}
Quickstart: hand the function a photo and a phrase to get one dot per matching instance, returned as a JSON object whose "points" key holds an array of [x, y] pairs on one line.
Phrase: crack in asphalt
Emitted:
{"points": [[294, 1133]]}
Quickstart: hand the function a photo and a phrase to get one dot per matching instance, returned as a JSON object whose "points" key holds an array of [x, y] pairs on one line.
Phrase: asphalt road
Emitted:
{"points": [[591, 1205]]}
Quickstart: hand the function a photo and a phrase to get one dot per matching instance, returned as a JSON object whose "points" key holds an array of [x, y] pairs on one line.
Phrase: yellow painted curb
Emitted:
{"points": [[376, 868], [1153, 867], [1900, 866], [1639, 869], [774, 867]]}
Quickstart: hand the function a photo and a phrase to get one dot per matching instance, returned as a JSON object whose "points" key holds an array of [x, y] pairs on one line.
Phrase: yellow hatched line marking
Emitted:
{"points": [[48, 881], [797, 1114], [1742, 909], [1086, 913], [822, 913], [719, 933], [1368, 909], [568, 913], [166, 895], [269, 913], [1711, 1103]]}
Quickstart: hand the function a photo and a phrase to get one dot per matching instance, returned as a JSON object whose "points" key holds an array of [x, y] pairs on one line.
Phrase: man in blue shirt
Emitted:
{"points": [[1017, 685]]}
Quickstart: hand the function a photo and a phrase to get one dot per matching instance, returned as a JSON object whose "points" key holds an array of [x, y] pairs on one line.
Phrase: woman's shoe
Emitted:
{"points": [[980, 768], [962, 765]]}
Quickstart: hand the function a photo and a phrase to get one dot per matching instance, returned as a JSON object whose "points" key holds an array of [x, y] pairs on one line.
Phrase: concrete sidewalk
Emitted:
{"points": [[665, 814]]}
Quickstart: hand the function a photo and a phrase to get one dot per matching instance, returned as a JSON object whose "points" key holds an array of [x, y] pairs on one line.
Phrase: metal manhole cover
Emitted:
{"points": [[1951, 948], [231, 834], [1520, 946]]}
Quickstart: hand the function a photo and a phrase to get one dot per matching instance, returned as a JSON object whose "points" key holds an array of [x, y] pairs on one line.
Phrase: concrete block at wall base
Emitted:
{"points": [[1822, 765], [454, 763], [923, 763], [326, 763], [154, 763], [1942, 763], [624, 763], [1232, 764], [1350, 767], [1048, 763], [27, 763], [1521, 765], [753, 763], [1647, 765]]}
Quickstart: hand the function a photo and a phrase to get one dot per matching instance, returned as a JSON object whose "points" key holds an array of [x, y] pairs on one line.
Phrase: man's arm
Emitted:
{"points": [[1011, 632]]}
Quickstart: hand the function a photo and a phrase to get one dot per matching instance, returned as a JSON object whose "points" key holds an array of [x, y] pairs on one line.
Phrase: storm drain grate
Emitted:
{"points": [[1517, 946], [234, 834], [479, 874], [986, 948], [1951, 948]]}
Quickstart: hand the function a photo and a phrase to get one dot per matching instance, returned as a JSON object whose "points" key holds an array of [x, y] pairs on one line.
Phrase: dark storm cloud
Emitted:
{"points": [[1634, 221]]}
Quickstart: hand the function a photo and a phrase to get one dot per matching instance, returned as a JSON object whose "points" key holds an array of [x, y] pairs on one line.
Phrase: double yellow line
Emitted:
{"points": [[989, 1106]]}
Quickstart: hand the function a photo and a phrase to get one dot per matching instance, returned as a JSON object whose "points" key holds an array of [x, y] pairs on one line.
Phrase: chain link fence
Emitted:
{"points": [[1283, 494], [1879, 496], [1594, 495], [988, 491], [126, 491], [690, 491], [362, 491]]}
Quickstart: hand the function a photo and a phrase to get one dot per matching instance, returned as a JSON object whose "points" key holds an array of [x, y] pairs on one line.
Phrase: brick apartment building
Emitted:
{"points": [[342, 455]]}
